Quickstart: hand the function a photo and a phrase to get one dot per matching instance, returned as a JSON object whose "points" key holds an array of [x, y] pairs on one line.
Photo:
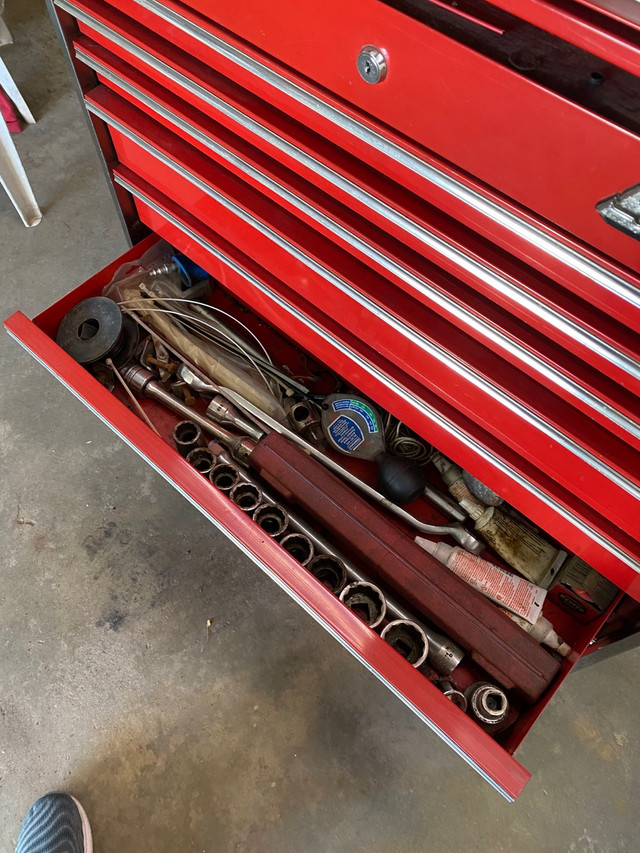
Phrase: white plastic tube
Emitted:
{"points": [[504, 588], [543, 631]]}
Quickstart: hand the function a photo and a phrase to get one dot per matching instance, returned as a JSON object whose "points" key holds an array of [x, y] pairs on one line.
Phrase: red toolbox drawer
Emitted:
{"points": [[284, 229], [492, 758]]}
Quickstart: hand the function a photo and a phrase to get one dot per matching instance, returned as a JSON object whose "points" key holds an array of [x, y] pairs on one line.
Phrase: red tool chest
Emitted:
{"points": [[456, 240]]}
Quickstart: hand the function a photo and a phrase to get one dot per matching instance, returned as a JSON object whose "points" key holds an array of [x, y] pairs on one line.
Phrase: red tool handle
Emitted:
{"points": [[394, 560]]}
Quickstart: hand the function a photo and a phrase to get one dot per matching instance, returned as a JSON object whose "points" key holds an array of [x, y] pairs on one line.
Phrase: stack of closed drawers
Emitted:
{"points": [[439, 238]]}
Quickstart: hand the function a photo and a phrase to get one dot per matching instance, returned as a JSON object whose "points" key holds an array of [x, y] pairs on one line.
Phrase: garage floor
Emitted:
{"points": [[262, 734]]}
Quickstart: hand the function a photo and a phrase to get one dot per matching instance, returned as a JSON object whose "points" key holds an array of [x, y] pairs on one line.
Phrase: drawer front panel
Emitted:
{"points": [[613, 290], [457, 729], [479, 389], [513, 121], [613, 404]]}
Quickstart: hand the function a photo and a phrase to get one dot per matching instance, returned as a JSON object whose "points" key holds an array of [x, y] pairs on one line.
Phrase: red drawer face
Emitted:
{"points": [[318, 140], [537, 302], [490, 757], [486, 119]]}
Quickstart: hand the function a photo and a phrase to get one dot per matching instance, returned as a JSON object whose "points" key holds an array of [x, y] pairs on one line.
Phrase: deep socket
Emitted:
{"points": [[247, 496], [202, 459], [299, 546], [272, 518], [408, 639], [330, 571], [224, 476], [366, 601], [187, 435]]}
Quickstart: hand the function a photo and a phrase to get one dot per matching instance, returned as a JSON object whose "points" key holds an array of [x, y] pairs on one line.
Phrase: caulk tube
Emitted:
{"points": [[542, 631], [524, 549], [506, 589]]}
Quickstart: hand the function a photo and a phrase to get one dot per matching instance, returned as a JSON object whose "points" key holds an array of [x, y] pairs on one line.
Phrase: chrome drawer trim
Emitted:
{"points": [[452, 362], [486, 329], [493, 211], [417, 403]]}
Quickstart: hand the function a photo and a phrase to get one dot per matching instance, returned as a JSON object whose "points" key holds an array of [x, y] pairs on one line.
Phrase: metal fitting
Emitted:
{"points": [[453, 695], [272, 518], [221, 411], [299, 546], [366, 601], [247, 496], [487, 702], [408, 639], [224, 476], [306, 421], [202, 460], [187, 436], [330, 571]]}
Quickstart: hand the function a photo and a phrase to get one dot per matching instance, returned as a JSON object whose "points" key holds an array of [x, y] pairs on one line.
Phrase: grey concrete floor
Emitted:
{"points": [[264, 734]]}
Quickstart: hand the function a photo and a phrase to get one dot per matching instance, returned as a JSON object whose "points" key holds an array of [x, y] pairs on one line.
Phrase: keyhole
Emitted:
{"points": [[367, 67]]}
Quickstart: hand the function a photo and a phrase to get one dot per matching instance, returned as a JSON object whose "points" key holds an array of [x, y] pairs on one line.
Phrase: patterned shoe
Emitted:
{"points": [[56, 823]]}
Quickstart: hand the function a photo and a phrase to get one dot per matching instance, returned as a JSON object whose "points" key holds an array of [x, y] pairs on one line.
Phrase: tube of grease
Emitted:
{"points": [[506, 589]]}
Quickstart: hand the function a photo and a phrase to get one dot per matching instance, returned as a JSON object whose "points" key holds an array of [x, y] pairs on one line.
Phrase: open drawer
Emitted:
{"points": [[285, 317]]}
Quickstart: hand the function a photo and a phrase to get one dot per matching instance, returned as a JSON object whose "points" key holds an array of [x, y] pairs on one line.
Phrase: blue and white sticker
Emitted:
{"points": [[366, 412], [346, 434]]}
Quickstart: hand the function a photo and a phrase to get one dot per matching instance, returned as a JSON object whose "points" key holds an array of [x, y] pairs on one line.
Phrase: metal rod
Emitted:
{"points": [[135, 402], [141, 380], [444, 504]]}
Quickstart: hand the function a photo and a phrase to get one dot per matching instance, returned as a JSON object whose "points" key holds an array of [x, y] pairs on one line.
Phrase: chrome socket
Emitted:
{"points": [[202, 460], [224, 476], [272, 518], [247, 496], [408, 639], [487, 702], [366, 601], [330, 571], [299, 546], [453, 695], [187, 435]]}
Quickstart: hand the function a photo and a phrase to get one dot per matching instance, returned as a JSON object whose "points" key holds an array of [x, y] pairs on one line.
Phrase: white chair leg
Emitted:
{"points": [[8, 84], [14, 179]]}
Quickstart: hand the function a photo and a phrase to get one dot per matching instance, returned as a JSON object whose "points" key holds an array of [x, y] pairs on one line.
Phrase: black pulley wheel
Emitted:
{"points": [[95, 329]]}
